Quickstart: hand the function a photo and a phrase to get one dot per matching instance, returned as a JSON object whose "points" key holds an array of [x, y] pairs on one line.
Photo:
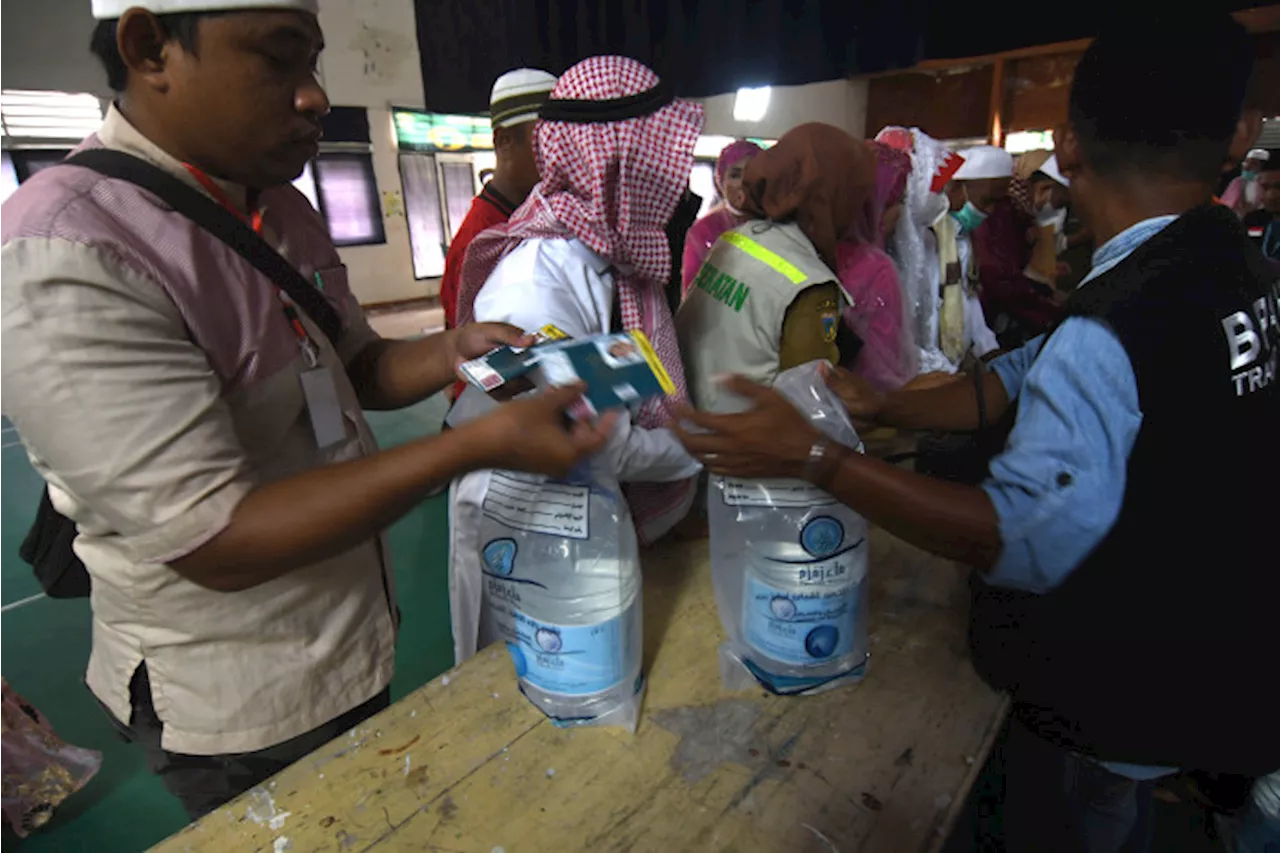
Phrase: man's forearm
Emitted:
{"points": [[281, 526], [949, 407], [950, 520], [393, 374]]}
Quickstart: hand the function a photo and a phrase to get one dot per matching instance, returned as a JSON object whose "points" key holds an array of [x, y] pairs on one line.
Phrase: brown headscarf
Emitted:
{"points": [[818, 176]]}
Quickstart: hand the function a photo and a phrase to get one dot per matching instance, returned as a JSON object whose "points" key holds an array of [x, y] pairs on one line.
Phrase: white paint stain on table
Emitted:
{"points": [[262, 810]]}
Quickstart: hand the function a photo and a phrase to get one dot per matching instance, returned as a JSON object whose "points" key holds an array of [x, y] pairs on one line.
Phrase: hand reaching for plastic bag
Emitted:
{"points": [[534, 434], [862, 401], [771, 439]]}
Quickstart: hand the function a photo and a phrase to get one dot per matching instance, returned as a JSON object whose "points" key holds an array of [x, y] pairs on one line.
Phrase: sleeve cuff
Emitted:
{"points": [[1010, 374], [191, 528]]}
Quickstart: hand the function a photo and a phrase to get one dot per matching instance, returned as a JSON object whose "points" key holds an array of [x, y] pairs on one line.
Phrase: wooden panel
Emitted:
{"points": [[1036, 91], [467, 764], [943, 105], [1265, 91]]}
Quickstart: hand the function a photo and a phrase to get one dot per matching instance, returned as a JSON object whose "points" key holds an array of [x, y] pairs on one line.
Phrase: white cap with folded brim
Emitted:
{"points": [[984, 161], [518, 95], [1050, 168], [105, 10], [1258, 154]]}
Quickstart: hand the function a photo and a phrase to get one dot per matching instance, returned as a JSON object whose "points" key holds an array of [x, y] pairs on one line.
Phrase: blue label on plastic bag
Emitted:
{"points": [[822, 536], [805, 623], [500, 557], [572, 660]]}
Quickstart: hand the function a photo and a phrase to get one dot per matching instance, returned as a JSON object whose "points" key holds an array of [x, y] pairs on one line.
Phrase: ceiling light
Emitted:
{"points": [[751, 104]]}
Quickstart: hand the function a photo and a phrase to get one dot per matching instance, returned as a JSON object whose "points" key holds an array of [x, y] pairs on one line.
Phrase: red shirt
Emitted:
{"points": [[488, 209]]}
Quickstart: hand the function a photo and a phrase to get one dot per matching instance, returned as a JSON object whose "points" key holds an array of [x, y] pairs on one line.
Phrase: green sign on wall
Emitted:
{"points": [[423, 131]]}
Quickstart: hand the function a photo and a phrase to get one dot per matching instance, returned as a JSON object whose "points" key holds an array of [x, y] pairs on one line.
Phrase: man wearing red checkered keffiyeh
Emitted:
{"points": [[611, 184], [588, 251]]}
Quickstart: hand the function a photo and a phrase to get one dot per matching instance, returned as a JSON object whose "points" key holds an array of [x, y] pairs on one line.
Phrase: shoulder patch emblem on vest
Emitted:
{"points": [[830, 318]]}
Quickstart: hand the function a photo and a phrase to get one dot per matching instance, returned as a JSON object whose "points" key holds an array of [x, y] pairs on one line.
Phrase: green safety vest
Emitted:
{"points": [[731, 319]]}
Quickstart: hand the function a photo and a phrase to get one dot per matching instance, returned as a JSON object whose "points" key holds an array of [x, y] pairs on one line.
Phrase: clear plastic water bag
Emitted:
{"points": [[562, 589], [789, 567]]}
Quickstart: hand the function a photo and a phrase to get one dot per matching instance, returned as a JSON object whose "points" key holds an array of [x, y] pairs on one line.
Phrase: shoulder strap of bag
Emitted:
{"points": [[219, 222]]}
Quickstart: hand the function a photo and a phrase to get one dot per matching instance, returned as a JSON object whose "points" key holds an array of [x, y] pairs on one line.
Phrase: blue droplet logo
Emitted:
{"points": [[517, 659], [782, 607], [822, 641], [500, 556], [548, 640], [822, 536]]}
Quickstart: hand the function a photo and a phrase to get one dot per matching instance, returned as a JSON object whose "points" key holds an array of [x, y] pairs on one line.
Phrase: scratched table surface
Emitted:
{"points": [[467, 764]]}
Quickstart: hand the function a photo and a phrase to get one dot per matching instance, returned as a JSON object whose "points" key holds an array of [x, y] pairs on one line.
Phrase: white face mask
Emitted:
{"points": [[1047, 214]]}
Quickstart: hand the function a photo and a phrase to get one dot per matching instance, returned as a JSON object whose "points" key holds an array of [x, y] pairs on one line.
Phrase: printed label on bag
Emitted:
{"points": [[532, 503], [572, 660], [804, 612], [790, 494]]}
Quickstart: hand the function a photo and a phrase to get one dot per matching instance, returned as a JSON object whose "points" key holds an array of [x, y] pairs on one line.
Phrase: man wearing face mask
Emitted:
{"points": [[1244, 194], [1050, 197], [1016, 307], [1263, 224]]}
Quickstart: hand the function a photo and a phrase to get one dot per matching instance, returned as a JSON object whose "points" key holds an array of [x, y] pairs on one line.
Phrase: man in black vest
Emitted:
{"points": [[1125, 539]]}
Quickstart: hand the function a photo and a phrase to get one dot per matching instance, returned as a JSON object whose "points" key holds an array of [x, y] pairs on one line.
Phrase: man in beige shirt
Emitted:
{"points": [[203, 433]]}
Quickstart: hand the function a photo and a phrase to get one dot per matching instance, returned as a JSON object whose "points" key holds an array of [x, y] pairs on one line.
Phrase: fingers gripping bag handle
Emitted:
{"points": [[789, 567], [562, 589]]}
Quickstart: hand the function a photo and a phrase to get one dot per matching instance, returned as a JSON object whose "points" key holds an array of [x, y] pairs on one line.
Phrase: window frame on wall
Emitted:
{"points": [[423, 259], [436, 144], [455, 164], [363, 159]]}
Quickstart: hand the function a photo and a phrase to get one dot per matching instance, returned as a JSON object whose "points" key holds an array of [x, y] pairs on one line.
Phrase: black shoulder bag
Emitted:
{"points": [[48, 545]]}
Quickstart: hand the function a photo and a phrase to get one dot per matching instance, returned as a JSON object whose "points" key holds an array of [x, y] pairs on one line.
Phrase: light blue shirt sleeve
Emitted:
{"points": [[1058, 485], [1012, 367]]}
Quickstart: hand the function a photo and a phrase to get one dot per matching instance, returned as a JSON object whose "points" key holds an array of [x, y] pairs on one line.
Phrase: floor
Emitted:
{"points": [[45, 644]]}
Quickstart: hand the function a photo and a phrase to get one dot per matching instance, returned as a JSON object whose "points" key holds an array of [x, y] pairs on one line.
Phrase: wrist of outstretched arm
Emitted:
{"points": [[470, 447], [825, 460]]}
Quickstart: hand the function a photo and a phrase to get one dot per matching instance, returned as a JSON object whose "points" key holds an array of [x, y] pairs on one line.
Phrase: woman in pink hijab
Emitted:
{"points": [[876, 311], [728, 214]]}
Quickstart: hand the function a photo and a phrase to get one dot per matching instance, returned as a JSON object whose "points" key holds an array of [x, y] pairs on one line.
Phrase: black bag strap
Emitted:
{"points": [[219, 222]]}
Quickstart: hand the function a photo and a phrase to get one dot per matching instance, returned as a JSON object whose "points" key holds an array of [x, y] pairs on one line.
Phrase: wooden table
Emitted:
{"points": [[467, 764]]}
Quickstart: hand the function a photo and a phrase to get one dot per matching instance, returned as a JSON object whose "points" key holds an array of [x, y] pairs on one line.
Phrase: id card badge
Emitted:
{"points": [[321, 394]]}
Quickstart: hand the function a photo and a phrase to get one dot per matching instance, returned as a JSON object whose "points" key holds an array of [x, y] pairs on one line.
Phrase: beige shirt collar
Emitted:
{"points": [[119, 134]]}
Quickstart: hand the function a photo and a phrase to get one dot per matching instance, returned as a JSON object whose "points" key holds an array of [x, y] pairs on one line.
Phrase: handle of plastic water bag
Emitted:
{"points": [[582, 474]]}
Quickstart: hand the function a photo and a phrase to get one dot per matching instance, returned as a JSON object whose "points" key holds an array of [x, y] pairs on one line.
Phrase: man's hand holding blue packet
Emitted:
{"points": [[620, 370]]}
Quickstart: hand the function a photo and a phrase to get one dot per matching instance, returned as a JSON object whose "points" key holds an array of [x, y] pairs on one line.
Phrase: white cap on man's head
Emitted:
{"points": [[1258, 154], [984, 161], [518, 95], [1050, 168], [105, 10]]}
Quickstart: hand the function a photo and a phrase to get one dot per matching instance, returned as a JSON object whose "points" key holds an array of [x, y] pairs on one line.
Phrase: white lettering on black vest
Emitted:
{"points": [[1251, 340]]}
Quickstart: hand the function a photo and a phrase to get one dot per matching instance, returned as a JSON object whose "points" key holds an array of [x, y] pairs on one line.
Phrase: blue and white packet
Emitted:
{"points": [[621, 370]]}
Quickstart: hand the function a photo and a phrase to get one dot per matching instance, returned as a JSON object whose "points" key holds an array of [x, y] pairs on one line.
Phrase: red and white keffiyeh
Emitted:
{"points": [[614, 186]]}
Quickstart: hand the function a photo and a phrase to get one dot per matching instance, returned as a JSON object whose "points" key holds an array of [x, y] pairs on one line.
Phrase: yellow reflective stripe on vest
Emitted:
{"points": [[765, 256]]}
